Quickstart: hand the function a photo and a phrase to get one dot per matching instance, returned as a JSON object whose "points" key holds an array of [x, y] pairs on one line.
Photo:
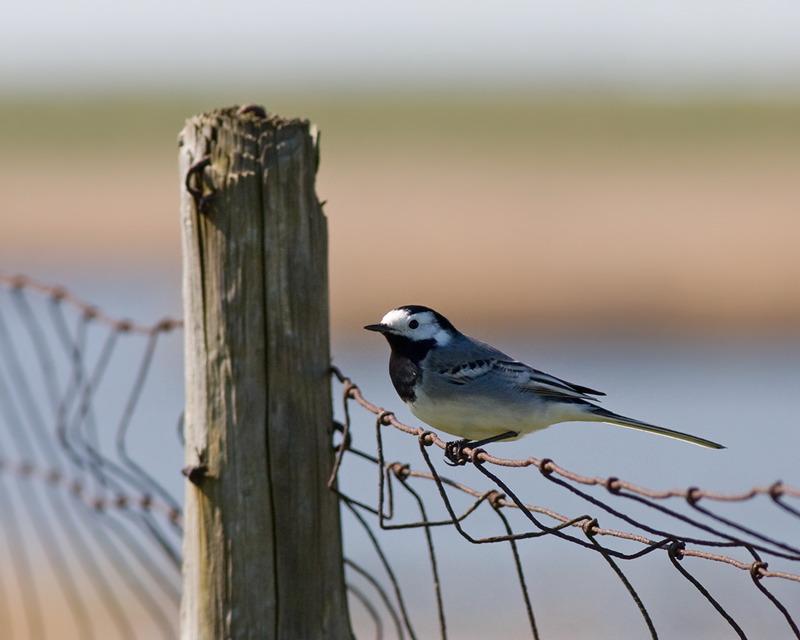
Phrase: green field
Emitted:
{"points": [[506, 124]]}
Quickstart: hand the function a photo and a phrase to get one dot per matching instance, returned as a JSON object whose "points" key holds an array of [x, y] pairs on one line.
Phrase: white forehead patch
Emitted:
{"points": [[395, 318]]}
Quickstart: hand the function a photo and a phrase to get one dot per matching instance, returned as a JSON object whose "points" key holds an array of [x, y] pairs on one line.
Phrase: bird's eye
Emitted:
{"points": [[413, 324]]}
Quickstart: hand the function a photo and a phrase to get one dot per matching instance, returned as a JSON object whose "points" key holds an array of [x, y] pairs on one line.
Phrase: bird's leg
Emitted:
{"points": [[454, 451]]}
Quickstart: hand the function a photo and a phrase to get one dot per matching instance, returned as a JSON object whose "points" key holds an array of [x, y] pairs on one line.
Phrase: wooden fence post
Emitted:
{"points": [[262, 539]]}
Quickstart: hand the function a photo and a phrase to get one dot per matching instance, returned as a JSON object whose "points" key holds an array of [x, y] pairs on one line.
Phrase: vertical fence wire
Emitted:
{"points": [[79, 517]]}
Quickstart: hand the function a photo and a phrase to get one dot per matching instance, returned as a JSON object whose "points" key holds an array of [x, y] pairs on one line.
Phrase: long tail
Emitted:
{"points": [[614, 418]]}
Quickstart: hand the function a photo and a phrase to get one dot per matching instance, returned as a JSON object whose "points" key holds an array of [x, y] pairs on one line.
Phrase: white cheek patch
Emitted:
{"points": [[442, 337]]}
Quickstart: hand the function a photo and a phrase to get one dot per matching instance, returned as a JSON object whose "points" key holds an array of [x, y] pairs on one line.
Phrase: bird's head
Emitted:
{"points": [[415, 323]]}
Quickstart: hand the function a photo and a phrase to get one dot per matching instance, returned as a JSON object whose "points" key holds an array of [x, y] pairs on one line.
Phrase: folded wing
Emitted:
{"points": [[519, 374]]}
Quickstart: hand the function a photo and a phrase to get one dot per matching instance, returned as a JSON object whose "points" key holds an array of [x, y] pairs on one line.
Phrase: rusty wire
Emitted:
{"points": [[651, 538], [88, 311], [119, 501]]}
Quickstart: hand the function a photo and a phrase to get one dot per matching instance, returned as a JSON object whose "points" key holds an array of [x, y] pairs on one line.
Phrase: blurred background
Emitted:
{"points": [[604, 189]]}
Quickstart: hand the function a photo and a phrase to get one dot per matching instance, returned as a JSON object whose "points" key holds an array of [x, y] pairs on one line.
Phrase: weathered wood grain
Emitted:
{"points": [[262, 541]]}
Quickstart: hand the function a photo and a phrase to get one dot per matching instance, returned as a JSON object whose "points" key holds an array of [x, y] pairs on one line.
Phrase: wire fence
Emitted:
{"points": [[702, 533], [90, 537]]}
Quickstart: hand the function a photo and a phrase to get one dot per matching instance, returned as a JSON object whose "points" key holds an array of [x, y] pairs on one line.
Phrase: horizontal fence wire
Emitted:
{"points": [[80, 509], [715, 540], [90, 539]]}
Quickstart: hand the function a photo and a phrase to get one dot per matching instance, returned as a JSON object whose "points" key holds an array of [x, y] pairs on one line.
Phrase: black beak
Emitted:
{"points": [[380, 328]]}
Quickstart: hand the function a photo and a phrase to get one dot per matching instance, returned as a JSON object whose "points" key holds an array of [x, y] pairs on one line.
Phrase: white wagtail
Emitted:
{"points": [[469, 389]]}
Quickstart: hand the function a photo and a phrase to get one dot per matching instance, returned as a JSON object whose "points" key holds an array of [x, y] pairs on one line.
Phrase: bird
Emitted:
{"points": [[471, 390]]}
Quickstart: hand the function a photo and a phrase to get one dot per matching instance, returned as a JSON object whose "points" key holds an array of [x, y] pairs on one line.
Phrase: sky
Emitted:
{"points": [[51, 46]]}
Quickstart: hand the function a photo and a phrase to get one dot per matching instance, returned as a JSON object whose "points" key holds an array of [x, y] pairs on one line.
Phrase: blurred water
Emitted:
{"points": [[737, 391]]}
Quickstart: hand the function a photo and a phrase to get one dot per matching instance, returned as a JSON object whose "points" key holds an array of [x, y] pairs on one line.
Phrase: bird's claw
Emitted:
{"points": [[454, 452]]}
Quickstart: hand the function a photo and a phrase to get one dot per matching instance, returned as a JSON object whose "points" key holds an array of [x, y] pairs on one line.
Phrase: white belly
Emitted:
{"points": [[476, 420]]}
